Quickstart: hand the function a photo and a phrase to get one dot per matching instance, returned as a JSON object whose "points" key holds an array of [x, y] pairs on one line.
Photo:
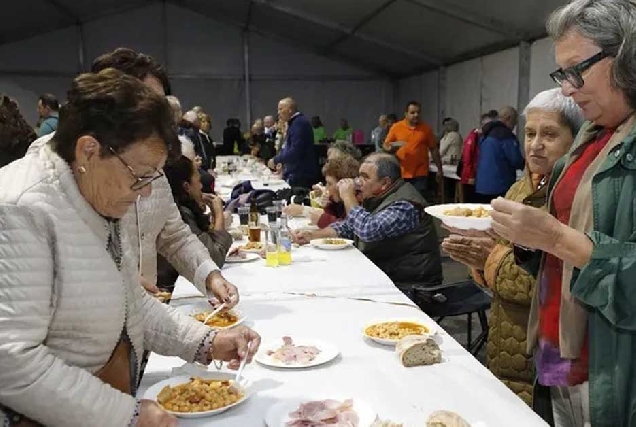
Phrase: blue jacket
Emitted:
{"points": [[48, 125], [298, 155], [499, 158]]}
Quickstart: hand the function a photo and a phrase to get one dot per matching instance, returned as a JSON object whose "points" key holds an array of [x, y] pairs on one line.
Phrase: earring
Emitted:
{"points": [[81, 169]]}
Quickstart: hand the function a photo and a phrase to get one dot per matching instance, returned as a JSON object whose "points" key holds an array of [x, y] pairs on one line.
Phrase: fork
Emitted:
{"points": [[214, 313]]}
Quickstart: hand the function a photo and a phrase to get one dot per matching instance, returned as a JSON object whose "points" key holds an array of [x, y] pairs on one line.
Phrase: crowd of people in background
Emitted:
{"points": [[559, 259]]}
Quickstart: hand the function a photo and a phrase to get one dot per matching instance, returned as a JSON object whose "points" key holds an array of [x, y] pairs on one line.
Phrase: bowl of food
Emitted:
{"points": [[463, 216], [198, 397], [331, 243], [389, 332], [221, 320]]}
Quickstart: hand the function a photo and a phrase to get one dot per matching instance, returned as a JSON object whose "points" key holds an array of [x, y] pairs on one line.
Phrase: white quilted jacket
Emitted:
{"points": [[156, 222], [162, 230], [63, 302]]}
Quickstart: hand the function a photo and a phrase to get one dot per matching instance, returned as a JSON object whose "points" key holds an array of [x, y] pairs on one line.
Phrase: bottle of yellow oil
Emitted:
{"points": [[271, 246], [284, 243]]}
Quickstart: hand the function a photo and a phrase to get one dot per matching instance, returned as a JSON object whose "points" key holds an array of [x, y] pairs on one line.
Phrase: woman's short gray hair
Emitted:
{"points": [[347, 148], [610, 25], [554, 100]]}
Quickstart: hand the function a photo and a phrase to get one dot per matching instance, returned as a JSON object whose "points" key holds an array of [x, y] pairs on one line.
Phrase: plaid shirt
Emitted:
{"points": [[397, 219]]}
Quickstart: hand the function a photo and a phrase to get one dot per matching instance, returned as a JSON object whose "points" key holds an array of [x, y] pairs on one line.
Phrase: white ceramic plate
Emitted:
{"points": [[249, 257], [320, 244], [461, 222], [154, 391], [278, 415], [328, 352], [198, 307], [431, 330]]}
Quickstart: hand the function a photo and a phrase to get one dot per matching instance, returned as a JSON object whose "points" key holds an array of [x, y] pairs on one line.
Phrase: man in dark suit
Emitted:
{"points": [[300, 166]]}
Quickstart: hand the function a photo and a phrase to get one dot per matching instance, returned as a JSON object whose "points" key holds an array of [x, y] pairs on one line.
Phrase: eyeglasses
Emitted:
{"points": [[140, 181], [573, 74]]}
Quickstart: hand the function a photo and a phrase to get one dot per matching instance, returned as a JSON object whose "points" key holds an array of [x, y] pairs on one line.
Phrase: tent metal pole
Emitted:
{"points": [[81, 54], [441, 97], [523, 93], [246, 66]]}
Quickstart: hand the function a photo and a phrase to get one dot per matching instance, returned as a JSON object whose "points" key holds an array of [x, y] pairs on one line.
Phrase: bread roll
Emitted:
{"points": [[446, 419], [417, 350]]}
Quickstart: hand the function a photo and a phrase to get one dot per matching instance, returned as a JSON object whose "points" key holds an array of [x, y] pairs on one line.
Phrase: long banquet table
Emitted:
{"points": [[331, 296]]}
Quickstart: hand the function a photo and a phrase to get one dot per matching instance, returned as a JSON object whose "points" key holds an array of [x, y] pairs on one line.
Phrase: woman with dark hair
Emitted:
{"points": [[15, 133], [319, 129], [186, 186], [75, 322]]}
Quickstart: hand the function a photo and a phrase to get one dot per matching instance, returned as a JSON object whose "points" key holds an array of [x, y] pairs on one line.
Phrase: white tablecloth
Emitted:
{"points": [[273, 300]]}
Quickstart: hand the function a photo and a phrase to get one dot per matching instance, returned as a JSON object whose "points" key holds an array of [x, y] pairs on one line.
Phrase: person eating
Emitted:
{"points": [[389, 226]]}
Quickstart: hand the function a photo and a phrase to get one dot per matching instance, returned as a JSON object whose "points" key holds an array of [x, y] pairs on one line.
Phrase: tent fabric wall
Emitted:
{"points": [[463, 93], [499, 80], [541, 65], [204, 58]]}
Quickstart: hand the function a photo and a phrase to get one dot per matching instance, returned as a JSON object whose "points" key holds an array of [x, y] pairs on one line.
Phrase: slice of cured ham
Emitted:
{"points": [[291, 354], [324, 413]]}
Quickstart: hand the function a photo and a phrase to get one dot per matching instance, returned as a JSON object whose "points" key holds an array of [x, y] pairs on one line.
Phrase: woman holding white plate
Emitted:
{"points": [[552, 121]]}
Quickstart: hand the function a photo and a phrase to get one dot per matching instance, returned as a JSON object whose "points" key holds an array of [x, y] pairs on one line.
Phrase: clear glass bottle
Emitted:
{"points": [[284, 242], [271, 246]]}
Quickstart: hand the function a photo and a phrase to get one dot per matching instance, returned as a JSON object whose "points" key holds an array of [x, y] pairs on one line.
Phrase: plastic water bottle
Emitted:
{"points": [[284, 243]]}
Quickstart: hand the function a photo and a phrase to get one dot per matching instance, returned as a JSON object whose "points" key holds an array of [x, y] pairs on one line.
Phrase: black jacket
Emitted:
{"points": [[410, 259]]}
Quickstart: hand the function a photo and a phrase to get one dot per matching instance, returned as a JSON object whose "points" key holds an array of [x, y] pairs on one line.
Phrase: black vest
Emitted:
{"points": [[410, 259]]}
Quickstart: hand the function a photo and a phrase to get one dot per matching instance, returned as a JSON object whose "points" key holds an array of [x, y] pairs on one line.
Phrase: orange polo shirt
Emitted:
{"points": [[413, 155]]}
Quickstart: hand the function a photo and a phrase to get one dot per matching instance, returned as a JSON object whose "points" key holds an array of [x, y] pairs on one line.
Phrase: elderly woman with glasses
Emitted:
{"points": [[552, 122], [582, 325], [75, 321]]}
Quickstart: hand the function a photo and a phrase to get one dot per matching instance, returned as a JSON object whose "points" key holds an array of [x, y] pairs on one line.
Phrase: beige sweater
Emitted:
{"points": [[64, 303]]}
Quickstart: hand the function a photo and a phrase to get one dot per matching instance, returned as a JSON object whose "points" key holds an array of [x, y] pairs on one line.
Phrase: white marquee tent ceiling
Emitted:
{"points": [[390, 37]]}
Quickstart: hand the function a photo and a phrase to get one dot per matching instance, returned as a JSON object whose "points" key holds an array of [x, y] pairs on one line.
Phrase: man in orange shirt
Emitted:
{"points": [[411, 140]]}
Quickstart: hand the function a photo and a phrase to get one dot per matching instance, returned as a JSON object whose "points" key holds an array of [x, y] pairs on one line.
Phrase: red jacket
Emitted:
{"points": [[470, 156]]}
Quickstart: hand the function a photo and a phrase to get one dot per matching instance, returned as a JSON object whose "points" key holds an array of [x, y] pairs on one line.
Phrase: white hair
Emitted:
{"points": [[187, 147], [191, 116], [554, 100], [174, 102]]}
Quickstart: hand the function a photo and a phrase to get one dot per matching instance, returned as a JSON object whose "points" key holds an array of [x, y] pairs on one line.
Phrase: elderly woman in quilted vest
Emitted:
{"points": [[552, 121], [582, 325], [74, 321]]}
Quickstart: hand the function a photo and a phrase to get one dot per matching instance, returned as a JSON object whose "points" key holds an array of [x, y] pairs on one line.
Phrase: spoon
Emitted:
{"points": [[211, 315]]}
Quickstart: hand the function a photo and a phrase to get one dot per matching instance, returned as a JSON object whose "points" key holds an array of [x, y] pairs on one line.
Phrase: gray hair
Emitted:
{"points": [[452, 125], [346, 148], [187, 147], [554, 100], [387, 164], [610, 25], [191, 116]]}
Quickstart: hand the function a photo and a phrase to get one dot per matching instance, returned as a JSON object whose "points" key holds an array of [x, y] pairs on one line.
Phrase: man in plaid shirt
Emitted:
{"points": [[389, 226]]}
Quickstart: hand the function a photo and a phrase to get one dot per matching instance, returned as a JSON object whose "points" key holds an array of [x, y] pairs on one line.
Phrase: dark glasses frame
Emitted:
{"points": [[573, 74], [140, 181]]}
